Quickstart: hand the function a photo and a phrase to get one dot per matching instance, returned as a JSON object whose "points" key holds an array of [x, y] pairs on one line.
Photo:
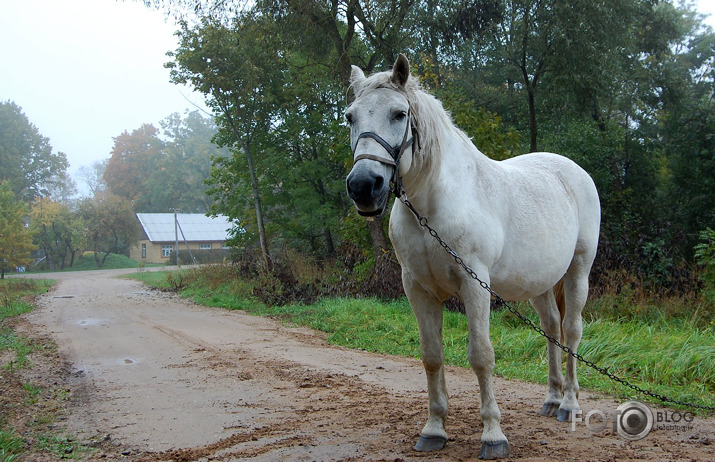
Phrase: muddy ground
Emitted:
{"points": [[147, 376]]}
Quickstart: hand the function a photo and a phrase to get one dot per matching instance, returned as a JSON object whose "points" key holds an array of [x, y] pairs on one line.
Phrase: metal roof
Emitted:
{"points": [[159, 227]]}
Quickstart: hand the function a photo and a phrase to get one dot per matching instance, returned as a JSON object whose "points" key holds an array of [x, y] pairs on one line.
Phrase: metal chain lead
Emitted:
{"points": [[500, 301]]}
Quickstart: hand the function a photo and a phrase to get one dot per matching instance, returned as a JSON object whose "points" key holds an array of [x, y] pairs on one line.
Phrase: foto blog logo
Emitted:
{"points": [[633, 420]]}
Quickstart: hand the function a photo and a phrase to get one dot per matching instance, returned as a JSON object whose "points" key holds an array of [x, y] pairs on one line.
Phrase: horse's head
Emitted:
{"points": [[382, 136]]}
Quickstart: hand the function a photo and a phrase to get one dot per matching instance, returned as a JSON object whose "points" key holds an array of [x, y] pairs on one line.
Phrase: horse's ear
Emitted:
{"points": [[356, 75], [400, 71]]}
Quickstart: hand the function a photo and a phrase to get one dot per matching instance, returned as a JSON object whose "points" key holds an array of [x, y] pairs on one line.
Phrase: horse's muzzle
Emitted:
{"points": [[368, 190]]}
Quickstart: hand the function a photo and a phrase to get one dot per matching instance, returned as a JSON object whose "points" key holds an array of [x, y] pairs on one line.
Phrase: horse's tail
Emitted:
{"points": [[561, 304]]}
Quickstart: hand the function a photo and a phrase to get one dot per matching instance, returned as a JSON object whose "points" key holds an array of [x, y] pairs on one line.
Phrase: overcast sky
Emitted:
{"points": [[84, 71]]}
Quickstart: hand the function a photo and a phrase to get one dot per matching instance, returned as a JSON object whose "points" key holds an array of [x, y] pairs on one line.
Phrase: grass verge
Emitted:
{"points": [[674, 357], [29, 411]]}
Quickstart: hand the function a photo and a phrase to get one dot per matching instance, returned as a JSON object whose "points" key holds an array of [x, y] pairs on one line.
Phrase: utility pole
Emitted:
{"points": [[176, 239]]}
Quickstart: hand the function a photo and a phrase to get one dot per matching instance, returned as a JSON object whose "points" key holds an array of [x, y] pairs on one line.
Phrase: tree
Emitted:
{"points": [[309, 158], [366, 34], [160, 171], [57, 231], [572, 49], [127, 170], [348, 24], [236, 74], [61, 187], [177, 173], [110, 225], [93, 176], [385, 25], [26, 158], [15, 239], [687, 124]]}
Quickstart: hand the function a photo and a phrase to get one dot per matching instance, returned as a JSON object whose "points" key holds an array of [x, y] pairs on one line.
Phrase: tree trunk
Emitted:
{"points": [[532, 120], [379, 241], [259, 212], [330, 246]]}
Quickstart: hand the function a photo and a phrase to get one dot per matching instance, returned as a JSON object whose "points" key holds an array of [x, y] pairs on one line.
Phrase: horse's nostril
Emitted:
{"points": [[377, 186], [359, 188]]}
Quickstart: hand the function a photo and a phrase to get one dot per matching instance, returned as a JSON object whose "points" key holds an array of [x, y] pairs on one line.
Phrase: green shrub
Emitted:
{"points": [[705, 256]]}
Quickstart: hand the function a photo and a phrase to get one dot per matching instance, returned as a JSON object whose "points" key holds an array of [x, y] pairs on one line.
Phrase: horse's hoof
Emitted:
{"points": [[549, 409], [494, 450], [564, 415], [430, 443]]}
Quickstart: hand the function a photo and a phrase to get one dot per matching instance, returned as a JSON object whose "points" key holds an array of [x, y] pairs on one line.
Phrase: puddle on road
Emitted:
{"points": [[92, 322], [101, 365]]}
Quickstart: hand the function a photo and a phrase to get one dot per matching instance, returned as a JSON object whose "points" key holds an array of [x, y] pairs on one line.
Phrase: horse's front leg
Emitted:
{"points": [[428, 311], [481, 358]]}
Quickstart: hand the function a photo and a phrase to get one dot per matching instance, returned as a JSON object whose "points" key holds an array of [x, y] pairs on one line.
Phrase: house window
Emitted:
{"points": [[143, 250], [166, 250], [205, 247]]}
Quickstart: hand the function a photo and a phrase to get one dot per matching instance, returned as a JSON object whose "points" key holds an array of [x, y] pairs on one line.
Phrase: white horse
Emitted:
{"points": [[528, 226]]}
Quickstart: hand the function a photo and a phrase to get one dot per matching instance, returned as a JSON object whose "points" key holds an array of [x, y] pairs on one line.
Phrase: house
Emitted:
{"points": [[196, 234]]}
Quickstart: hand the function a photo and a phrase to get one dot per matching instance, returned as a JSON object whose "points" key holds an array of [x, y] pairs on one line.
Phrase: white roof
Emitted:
{"points": [[159, 227]]}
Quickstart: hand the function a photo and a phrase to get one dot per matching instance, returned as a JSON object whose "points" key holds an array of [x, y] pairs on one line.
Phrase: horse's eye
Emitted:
{"points": [[400, 116], [349, 118]]}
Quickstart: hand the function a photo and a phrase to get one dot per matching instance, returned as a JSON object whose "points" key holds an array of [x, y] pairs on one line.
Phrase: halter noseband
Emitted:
{"points": [[394, 151]]}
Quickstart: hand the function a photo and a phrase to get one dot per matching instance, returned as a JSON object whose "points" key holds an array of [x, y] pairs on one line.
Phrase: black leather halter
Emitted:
{"points": [[394, 151]]}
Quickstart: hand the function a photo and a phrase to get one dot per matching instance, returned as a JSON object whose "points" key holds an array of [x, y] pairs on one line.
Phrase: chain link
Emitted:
{"points": [[501, 302]]}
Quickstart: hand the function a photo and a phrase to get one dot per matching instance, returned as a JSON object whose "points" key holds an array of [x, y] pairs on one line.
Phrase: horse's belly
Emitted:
{"points": [[529, 271]]}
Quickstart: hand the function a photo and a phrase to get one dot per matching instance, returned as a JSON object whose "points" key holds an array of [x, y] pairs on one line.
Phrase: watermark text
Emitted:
{"points": [[633, 420]]}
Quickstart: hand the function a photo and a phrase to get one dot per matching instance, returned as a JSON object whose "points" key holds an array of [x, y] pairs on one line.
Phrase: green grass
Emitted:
{"points": [[156, 279], [14, 303], [673, 357], [62, 447], [11, 446]]}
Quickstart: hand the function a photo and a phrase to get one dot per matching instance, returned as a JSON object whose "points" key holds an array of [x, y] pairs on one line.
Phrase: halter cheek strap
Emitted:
{"points": [[394, 151]]}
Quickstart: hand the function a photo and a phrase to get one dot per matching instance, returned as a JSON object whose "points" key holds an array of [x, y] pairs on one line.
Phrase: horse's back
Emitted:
{"points": [[546, 167]]}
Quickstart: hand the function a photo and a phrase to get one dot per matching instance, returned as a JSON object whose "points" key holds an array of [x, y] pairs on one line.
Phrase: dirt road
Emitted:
{"points": [[159, 378]]}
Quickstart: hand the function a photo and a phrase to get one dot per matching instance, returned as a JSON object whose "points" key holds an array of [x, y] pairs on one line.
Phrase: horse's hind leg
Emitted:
{"points": [[575, 294], [428, 312], [550, 317]]}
